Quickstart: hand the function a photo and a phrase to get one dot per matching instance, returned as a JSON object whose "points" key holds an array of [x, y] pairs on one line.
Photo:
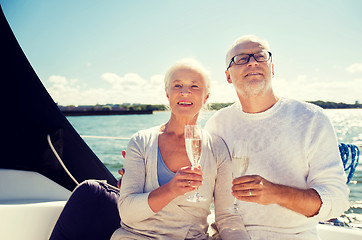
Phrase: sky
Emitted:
{"points": [[115, 51]]}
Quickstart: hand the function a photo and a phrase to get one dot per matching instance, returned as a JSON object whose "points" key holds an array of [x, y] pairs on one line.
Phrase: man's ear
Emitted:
{"points": [[272, 69], [227, 74]]}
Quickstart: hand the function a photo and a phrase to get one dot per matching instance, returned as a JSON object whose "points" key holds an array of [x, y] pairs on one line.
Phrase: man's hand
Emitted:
{"points": [[121, 171], [254, 188]]}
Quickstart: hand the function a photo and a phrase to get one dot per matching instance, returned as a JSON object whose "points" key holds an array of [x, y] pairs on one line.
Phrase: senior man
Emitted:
{"points": [[295, 176]]}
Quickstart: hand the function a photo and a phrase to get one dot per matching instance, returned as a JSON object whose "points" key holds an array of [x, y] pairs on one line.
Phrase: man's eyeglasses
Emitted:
{"points": [[241, 59]]}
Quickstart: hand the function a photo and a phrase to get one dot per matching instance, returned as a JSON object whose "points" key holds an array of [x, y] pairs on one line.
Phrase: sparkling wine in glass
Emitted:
{"points": [[193, 149], [240, 163]]}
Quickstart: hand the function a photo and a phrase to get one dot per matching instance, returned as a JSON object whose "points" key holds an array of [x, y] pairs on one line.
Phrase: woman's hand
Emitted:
{"points": [[185, 180]]}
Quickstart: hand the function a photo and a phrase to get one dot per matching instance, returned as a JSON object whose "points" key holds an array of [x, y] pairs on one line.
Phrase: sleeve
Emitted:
{"points": [[133, 202], [326, 174], [229, 225]]}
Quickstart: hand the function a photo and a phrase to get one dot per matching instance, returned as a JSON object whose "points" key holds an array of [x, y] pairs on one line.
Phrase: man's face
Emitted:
{"points": [[252, 78]]}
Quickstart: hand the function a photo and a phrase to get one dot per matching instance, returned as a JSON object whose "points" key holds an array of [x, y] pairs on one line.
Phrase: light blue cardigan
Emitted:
{"points": [[180, 219]]}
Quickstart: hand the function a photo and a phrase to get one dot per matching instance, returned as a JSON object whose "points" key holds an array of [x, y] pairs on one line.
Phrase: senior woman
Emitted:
{"points": [[159, 176]]}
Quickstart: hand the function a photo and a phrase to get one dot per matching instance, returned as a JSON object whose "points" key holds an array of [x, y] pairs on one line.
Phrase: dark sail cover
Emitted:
{"points": [[28, 114]]}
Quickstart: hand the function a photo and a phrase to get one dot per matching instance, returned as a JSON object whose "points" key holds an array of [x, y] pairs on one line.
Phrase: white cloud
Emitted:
{"points": [[111, 78], [222, 92], [129, 88], [302, 88], [127, 81], [134, 79], [132, 88], [357, 67], [58, 80], [157, 80]]}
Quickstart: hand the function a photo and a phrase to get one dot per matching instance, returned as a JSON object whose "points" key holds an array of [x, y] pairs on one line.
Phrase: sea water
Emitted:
{"points": [[116, 131]]}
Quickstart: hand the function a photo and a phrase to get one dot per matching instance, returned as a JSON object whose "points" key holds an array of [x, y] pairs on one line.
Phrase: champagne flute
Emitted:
{"points": [[193, 149], [240, 163]]}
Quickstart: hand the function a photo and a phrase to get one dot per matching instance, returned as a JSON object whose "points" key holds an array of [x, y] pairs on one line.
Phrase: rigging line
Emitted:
{"points": [[60, 160], [67, 171], [105, 137], [350, 157]]}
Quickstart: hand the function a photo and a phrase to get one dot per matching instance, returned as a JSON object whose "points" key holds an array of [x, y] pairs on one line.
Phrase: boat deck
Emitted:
{"points": [[30, 205]]}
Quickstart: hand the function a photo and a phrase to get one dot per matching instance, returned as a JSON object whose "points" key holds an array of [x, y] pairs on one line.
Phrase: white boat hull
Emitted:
{"points": [[30, 205]]}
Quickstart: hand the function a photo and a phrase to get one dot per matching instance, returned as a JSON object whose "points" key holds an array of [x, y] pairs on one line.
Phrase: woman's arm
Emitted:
{"points": [[135, 205], [133, 202]]}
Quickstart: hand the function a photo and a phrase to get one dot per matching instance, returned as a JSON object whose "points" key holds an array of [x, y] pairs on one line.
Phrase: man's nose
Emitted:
{"points": [[252, 61]]}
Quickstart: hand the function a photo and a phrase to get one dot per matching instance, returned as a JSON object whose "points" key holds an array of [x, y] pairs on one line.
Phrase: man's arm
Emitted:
{"points": [[253, 188]]}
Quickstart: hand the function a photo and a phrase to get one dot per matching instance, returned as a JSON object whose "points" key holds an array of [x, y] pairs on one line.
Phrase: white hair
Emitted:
{"points": [[188, 63], [245, 38]]}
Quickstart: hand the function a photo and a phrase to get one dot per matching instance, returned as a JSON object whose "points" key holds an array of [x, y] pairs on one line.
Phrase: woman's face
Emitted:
{"points": [[186, 92]]}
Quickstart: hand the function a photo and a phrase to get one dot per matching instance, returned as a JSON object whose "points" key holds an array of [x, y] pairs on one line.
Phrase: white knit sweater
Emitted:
{"points": [[293, 143], [180, 219]]}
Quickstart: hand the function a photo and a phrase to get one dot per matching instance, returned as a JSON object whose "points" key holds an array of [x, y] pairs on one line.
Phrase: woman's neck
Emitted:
{"points": [[176, 125]]}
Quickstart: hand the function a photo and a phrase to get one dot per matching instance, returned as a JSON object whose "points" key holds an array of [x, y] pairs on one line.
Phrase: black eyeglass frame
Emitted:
{"points": [[250, 55]]}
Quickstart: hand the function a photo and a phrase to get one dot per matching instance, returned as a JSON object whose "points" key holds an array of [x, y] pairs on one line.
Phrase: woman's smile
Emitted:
{"points": [[184, 103]]}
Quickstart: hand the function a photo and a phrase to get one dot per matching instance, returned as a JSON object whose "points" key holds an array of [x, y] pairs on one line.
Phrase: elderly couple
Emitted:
{"points": [[295, 177]]}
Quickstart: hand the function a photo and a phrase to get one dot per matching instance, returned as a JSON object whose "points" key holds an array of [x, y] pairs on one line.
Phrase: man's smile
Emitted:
{"points": [[252, 74]]}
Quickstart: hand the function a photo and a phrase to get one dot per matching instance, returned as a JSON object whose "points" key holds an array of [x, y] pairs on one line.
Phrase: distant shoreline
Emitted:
{"points": [[131, 109], [105, 113], [334, 105]]}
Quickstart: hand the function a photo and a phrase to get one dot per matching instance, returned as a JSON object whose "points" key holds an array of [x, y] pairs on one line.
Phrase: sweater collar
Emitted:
{"points": [[269, 112]]}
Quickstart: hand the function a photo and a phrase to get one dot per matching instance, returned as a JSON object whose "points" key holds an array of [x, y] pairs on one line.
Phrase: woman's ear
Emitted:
{"points": [[167, 93], [207, 97]]}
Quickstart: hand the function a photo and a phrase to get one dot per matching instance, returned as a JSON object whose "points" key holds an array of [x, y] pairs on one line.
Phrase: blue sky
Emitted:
{"points": [[114, 51]]}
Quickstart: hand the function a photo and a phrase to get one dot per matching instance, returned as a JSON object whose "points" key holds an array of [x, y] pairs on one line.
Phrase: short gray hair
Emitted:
{"points": [[245, 38], [188, 63]]}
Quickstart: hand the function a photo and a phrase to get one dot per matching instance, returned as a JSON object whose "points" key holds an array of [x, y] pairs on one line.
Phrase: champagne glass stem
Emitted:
{"points": [[240, 163], [236, 205]]}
